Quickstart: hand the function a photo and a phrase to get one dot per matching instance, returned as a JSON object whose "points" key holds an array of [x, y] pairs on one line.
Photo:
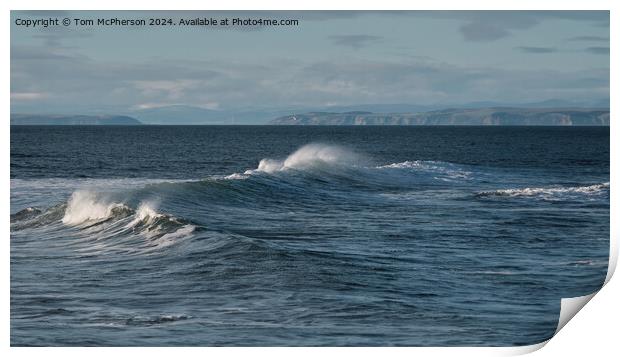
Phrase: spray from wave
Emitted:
{"points": [[86, 206], [311, 156], [333, 159], [332, 169]]}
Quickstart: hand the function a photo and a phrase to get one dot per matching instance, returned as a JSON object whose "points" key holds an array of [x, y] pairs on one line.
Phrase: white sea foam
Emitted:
{"points": [[236, 176], [161, 230], [450, 170], [158, 230], [174, 237], [85, 206], [145, 214], [315, 155], [406, 165], [541, 191]]}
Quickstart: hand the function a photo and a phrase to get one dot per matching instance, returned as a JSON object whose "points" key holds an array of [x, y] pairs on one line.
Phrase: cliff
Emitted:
{"points": [[481, 116]]}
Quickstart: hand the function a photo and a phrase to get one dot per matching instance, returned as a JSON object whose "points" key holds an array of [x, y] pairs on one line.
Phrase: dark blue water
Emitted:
{"points": [[442, 236]]}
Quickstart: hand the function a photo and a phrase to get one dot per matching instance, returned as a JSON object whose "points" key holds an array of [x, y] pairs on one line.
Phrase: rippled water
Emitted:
{"points": [[303, 235]]}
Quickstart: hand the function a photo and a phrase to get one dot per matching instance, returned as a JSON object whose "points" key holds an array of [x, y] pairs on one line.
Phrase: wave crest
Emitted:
{"points": [[449, 170], [25, 214], [87, 206], [309, 156], [546, 191], [99, 221]]}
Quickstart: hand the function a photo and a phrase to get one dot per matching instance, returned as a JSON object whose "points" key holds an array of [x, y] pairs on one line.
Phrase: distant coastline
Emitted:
{"points": [[479, 116], [498, 116], [38, 119]]}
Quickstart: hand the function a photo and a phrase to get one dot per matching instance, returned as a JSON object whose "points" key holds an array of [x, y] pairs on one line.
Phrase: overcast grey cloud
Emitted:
{"points": [[332, 58], [354, 41], [589, 38], [491, 28], [225, 85], [57, 38], [482, 26], [536, 50], [602, 50], [480, 31]]}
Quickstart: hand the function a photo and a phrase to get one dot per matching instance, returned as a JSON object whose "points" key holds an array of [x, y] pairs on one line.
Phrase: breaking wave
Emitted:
{"points": [[313, 174], [97, 216], [309, 156], [326, 160], [86, 206]]}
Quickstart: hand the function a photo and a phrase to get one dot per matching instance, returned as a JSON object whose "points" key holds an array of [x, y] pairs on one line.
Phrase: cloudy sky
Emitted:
{"points": [[329, 59]]}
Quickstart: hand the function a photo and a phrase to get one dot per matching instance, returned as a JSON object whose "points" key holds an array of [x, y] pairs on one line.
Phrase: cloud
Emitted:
{"points": [[84, 83], [589, 38], [536, 50], [598, 50], [23, 53], [354, 41], [482, 32], [170, 89], [486, 26], [477, 26], [55, 38], [80, 80], [26, 96], [145, 106]]}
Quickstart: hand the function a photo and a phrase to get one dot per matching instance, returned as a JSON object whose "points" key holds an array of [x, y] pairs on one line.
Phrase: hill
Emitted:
{"points": [[38, 119], [479, 116]]}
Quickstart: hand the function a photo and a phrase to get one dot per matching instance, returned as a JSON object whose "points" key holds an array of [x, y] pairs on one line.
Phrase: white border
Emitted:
{"points": [[592, 329]]}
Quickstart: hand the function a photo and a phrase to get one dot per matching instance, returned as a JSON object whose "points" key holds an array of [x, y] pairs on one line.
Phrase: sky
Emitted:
{"points": [[331, 58]]}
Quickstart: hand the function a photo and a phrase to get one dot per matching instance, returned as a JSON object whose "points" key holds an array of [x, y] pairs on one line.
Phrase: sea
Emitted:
{"points": [[303, 236]]}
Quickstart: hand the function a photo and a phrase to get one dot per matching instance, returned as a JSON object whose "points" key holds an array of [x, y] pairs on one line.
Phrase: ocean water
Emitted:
{"points": [[303, 236]]}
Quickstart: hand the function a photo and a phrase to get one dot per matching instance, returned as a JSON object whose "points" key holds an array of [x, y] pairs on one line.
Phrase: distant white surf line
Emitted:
{"points": [[538, 191]]}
